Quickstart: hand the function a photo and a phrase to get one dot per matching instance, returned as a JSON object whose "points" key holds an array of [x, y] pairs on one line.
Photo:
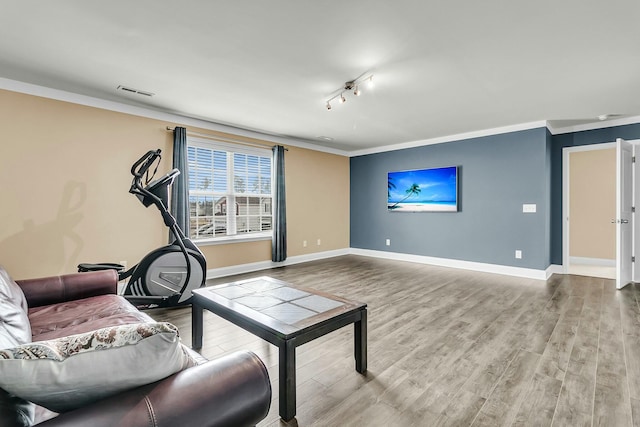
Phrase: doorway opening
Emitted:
{"points": [[590, 206], [599, 190]]}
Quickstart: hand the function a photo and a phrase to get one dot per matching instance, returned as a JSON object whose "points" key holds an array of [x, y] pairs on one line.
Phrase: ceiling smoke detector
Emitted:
{"points": [[135, 91], [325, 138]]}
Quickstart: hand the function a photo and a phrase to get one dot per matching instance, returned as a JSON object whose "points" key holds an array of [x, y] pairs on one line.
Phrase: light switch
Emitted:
{"points": [[529, 208]]}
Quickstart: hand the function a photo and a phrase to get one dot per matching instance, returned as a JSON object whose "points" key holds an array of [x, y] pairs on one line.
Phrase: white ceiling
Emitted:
{"points": [[440, 67]]}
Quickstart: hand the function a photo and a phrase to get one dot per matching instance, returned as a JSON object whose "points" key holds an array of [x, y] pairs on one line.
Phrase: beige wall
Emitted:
{"points": [[64, 174], [317, 201], [592, 204]]}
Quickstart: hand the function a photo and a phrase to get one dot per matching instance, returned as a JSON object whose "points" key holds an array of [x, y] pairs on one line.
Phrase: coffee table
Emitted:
{"points": [[285, 316]]}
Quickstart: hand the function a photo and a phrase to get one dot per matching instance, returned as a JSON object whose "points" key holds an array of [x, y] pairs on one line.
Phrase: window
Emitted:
{"points": [[229, 190]]}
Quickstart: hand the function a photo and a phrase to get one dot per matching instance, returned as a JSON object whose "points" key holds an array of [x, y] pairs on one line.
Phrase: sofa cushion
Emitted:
{"points": [[83, 315], [70, 372], [14, 323]]}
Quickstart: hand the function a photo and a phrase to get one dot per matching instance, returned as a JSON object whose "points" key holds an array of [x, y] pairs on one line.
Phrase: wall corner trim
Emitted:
{"points": [[554, 269]]}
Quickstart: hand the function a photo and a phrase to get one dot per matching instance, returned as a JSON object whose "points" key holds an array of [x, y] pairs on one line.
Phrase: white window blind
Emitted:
{"points": [[230, 190]]}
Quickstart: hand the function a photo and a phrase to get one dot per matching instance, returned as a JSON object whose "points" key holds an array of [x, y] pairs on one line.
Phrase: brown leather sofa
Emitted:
{"points": [[228, 391]]}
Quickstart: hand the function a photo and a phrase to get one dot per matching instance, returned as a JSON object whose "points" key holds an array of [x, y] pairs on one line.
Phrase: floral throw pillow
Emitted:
{"points": [[71, 372]]}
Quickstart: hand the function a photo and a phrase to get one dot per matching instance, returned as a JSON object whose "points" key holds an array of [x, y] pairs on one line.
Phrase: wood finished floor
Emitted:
{"points": [[455, 348]]}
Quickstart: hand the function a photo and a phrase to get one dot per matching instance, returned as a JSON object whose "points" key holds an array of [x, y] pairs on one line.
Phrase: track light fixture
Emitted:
{"points": [[350, 86]]}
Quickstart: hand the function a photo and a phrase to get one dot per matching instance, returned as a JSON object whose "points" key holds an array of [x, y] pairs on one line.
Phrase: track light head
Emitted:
{"points": [[352, 86]]}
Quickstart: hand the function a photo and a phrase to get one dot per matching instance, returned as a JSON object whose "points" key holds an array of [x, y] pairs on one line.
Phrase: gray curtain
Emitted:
{"points": [[180, 190], [279, 240]]}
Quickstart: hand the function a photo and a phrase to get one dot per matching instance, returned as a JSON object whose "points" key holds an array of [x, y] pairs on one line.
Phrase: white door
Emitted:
{"points": [[624, 217]]}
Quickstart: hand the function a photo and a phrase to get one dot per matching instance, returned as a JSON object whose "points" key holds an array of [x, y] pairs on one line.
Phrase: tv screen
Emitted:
{"points": [[423, 190]]}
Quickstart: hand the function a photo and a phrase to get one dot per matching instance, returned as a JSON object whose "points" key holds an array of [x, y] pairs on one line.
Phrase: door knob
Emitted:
{"points": [[624, 221]]}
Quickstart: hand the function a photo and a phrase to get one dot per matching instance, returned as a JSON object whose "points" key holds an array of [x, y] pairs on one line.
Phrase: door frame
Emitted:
{"points": [[566, 152], [621, 146]]}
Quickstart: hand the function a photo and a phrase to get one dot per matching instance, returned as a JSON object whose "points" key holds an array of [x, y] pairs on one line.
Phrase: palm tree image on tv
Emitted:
{"points": [[423, 190], [390, 186], [414, 190]]}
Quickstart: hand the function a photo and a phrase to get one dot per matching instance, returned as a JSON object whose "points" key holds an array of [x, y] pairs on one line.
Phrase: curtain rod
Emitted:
{"points": [[221, 139]]}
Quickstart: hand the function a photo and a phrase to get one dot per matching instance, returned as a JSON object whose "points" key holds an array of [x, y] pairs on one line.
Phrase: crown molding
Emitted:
{"points": [[174, 118], [500, 130], [89, 101], [450, 138], [595, 125]]}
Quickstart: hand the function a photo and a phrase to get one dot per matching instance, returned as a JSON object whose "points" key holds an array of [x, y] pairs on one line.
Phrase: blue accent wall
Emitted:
{"points": [[498, 174]]}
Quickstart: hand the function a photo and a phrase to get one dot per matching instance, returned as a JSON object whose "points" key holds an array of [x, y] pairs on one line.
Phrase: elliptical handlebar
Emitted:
{"points": [[144, 163], [150, 193], [138, 170]]}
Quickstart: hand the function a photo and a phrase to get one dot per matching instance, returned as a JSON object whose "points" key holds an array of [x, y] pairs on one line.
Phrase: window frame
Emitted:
{"points": [[231, 149]]}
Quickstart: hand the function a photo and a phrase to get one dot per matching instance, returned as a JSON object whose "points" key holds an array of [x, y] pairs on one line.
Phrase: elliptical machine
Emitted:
{"points": [[166, 276]]}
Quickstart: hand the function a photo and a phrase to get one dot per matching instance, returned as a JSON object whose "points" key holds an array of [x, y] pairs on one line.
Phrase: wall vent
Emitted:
{"points": [[136, 91]]}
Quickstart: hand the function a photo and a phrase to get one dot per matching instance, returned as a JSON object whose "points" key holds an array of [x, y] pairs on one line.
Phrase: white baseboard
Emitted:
{"points": [[602, 262], [443, 262], [265, 265], [454, 263]]}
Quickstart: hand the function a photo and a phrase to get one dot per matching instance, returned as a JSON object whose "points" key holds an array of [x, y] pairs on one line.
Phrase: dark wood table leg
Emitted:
{"points": [[360, 343], [287, 372], [196, 326]]}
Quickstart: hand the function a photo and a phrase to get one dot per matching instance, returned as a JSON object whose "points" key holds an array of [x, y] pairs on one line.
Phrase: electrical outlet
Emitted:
{"points": [[304, 243], [518, 254], [388, 242], [529, 208], [319, 242]]}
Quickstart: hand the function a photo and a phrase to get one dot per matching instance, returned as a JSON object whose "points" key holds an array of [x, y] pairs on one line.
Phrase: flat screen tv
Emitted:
{"points": [[423, 190]]}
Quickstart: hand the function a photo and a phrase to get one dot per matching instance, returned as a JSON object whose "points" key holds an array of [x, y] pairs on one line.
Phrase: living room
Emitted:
{"points": [[65, 164]]}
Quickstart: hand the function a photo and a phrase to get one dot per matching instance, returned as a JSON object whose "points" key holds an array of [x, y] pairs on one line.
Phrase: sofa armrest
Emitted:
{"points": [[233, 390], [56, 289]]}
